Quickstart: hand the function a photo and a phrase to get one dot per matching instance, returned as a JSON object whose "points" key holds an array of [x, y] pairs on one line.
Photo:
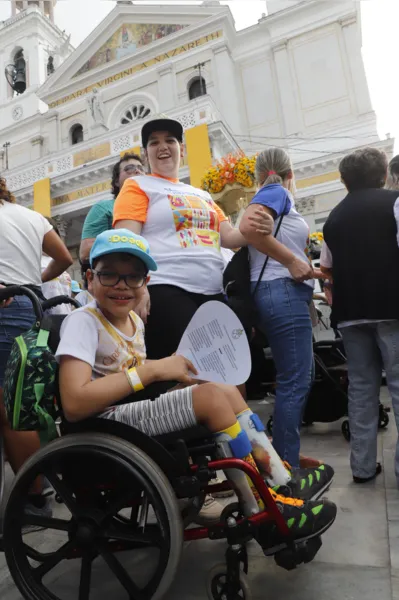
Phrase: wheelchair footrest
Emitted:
{"points": [[303, 552]]}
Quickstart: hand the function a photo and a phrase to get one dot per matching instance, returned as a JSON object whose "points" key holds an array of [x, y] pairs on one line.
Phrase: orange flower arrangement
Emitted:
{"points": [[231, 169]]}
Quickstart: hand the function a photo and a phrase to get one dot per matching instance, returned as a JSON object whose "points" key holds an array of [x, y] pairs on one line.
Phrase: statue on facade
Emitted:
{"points": [[50, 65], [96, 109]]}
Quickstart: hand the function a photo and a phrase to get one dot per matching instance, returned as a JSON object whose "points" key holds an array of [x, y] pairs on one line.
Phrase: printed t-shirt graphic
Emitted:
{"points": [[182, 226], [87, 335]]}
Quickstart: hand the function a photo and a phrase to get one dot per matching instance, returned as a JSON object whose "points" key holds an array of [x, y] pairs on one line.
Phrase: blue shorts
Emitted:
{"points": [[14, 320]]}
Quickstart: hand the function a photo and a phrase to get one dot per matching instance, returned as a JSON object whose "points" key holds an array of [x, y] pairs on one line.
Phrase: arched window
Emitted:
{"points": [[76, 134], [197, 88], [135, 113]]}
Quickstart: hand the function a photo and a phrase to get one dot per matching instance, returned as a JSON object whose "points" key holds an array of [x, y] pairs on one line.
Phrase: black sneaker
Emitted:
{"points": [[307, 484], [304, 520]]}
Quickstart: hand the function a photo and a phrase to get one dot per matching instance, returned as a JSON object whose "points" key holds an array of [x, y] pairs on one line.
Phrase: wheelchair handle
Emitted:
{"points": [[20, 290], [57, 300]]}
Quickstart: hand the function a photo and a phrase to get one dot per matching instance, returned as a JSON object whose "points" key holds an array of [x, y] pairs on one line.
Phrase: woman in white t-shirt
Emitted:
{"points": [[185, 229], [24, 235], [283, 295], [60, 286]]}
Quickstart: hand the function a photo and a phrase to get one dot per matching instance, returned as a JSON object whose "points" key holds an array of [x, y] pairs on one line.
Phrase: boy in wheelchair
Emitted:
{"points": [[103, 362]]}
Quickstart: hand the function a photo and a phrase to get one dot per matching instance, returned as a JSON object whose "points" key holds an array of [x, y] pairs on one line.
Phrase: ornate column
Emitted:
{"points": [[51, 118], [227, 83], [352, 39], [167, 87], [287, 88], [37, 145]]}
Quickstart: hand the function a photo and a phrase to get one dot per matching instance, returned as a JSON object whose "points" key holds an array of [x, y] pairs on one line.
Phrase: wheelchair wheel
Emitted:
{"points": [[115, 500], [269, 426], [217, 585], [346, 432]]}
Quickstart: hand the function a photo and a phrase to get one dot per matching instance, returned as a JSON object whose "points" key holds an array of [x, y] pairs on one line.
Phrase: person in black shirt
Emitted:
{"points": [[361, 258]]}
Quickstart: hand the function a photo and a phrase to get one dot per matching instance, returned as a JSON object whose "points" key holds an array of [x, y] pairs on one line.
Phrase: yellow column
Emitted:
{"points": [[135, 150], [198, 153], [42, 197]]}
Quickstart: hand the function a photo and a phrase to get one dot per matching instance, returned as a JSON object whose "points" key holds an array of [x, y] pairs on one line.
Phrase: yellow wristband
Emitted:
{"points": [[134, 380]]}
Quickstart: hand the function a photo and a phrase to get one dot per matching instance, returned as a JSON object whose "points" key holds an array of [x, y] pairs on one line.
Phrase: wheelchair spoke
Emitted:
{"points": [[150, 537], [51, 562], [45, 522], [121, 574], [62, 490], [85, 578]]}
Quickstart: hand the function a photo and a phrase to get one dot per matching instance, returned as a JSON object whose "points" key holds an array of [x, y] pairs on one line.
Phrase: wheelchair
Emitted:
{"points": [[125, 505]]}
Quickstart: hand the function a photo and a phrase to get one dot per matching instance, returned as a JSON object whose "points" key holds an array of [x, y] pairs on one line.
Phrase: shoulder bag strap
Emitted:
{"points": [[267, 257]]}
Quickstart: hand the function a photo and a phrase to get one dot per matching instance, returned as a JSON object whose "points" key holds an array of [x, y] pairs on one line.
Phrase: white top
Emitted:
{"points": [[182, 226], [294, 233], [84, 297], [21, 239], [60, 286], [87, 335]]}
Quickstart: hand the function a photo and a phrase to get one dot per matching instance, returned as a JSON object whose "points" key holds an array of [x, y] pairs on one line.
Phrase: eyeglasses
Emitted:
{"points": [[133, 169], [109, 279]]}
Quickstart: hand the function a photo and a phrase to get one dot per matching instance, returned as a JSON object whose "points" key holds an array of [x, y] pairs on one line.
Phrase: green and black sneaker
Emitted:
{"points": [[304, 520], [307, 484]]}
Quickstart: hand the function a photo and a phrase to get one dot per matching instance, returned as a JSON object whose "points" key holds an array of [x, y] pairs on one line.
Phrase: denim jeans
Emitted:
{"points": [[14, 320], [370, 348], [283, 310]]}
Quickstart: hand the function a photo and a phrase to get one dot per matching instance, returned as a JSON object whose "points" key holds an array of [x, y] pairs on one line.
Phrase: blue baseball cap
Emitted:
{"points": [[122, 240], [75, 287]]}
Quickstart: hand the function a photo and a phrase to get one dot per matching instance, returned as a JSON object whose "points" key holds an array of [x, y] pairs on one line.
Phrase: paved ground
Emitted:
{"points": [[359, 559]]}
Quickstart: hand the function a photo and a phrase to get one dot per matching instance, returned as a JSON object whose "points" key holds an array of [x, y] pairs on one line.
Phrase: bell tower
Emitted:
{"points": [[45, 6], [31, 49]]}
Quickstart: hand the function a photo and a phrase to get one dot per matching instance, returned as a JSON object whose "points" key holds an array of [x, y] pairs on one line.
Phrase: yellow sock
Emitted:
{"points": [[233, 431]]}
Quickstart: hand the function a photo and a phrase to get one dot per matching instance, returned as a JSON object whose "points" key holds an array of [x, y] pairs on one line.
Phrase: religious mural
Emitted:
{"points": [[127, 40]]}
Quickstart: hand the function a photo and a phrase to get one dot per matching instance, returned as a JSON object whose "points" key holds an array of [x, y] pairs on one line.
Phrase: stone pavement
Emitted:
{"points": [[359, 559]]}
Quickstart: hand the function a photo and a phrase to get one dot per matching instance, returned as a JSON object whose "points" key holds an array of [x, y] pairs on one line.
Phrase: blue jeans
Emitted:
{"points": [[283, 309], [14, 320], [370, 348]]}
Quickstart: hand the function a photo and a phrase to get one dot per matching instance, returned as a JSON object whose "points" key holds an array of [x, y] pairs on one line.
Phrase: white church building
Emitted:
{"points": [[294, 79]]}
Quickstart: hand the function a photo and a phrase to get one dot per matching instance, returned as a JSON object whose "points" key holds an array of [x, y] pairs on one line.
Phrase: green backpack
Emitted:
{"points": [[30, 383]]}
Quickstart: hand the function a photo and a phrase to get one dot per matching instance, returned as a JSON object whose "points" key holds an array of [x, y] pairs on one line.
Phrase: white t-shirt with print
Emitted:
{"points": [[293, 233], [182, 226], [60, 286], [21, 239], [88, 336]]}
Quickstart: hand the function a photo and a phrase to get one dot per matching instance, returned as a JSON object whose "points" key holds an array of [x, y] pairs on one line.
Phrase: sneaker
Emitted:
{"points": [[44, 511], [306, 484], [225, 493], [210, 512], [307, 462], [305, 520]]}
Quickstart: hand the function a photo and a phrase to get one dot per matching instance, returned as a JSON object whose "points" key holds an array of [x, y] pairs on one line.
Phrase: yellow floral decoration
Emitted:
{"points": [[232, 169]]}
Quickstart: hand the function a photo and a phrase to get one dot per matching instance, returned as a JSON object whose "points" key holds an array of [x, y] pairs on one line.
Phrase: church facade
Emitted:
{"points": [[295, 79]]}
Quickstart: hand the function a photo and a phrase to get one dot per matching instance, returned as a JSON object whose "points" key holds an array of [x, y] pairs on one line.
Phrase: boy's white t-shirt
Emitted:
{"points": [[21, 239], [88, 336], [60, 286]]}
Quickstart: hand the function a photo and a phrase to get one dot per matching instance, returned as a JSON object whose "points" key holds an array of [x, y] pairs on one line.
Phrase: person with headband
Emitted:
{"points": [[283, 295]]}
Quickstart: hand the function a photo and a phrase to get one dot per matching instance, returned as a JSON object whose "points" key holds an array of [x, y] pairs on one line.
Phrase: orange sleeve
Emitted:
{"points": [[131, 203], [221, 216]]}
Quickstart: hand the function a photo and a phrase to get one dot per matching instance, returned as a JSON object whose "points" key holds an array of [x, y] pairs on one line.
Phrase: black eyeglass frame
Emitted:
{"points": [[119, 278]]}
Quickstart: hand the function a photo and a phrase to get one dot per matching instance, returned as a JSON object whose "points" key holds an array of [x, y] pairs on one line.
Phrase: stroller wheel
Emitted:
{"points": [[346, 432], [269, 426], [383, 421]]}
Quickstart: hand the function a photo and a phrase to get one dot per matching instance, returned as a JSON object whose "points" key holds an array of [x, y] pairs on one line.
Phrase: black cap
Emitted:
{"points": [[161, 124]]}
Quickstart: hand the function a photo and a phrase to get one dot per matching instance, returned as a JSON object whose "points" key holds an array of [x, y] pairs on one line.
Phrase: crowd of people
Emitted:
{"points": [[151, 256]]}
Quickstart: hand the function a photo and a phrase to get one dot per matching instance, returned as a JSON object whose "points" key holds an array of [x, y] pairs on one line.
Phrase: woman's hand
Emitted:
{"points": [[5, 303], [300, 270], [143, 306], [174, 368], [261, 222]]}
